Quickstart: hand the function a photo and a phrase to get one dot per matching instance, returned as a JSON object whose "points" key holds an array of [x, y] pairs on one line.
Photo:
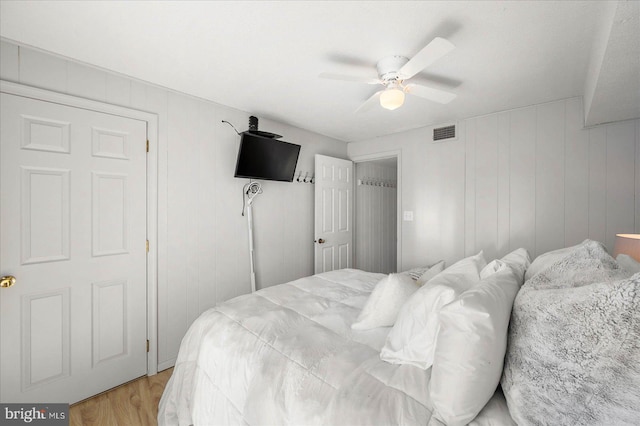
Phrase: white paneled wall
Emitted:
{"points": [[559, 183], [531, 177], [203, 249], [433, 188], [376, 216]]}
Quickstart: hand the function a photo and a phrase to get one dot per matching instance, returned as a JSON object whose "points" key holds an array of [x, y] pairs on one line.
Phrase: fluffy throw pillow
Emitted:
{"points": [[413, 337], [573, 355], [470, 348], [430, 273], [628, 263], [586, 263], [385, 301], [547, 259]]}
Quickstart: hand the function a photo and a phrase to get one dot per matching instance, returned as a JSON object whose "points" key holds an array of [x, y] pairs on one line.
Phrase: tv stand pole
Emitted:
{"points": [[251, 190], [251, 256]]}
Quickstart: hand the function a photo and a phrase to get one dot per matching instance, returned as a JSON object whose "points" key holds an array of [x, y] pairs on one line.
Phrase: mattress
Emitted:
{"points": [[287, 355]]}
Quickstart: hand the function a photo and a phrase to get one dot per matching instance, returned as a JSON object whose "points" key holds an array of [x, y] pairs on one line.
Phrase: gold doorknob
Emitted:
{"points": [[7, 281]]}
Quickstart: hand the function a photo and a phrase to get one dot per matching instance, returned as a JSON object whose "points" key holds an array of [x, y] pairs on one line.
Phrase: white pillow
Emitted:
{"points": [[470, 348], [494, 413], [430, 273], [547, 259], [492, 267], [628, 263], [415, 273], [412, 339], [386, 299], [519, 261]]}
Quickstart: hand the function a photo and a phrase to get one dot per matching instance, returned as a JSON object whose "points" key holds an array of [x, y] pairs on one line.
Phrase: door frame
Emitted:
{"points": [[152, 191], [397, 154]]}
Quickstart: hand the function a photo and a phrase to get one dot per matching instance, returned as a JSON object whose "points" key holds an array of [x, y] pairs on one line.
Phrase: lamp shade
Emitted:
{"points": [[392, 98], [628, 244]]}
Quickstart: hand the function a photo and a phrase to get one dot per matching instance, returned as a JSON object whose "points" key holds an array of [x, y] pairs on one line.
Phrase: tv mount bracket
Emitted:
{"points": [[253, 129]]}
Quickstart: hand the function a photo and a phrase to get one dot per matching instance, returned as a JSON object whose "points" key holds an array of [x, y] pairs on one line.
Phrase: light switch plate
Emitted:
{"points": [[407, 216]]}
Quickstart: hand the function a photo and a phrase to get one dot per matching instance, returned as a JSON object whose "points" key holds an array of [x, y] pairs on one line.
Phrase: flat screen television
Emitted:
{"points": [[266, 158]]}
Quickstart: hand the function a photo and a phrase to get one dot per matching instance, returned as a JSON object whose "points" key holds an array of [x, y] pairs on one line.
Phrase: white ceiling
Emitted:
{"points": [[264, 57]]}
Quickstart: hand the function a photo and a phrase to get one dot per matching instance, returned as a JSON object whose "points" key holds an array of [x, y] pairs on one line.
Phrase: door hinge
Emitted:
{"points": [[147, 345], [147, 145], [147, 246]]}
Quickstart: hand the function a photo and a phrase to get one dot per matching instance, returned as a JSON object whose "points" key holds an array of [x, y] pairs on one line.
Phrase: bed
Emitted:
{"points": [[291, 355]]}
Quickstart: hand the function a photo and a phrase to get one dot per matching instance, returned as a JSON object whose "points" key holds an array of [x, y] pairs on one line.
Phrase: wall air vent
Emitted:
{"points": [[441, 133]]}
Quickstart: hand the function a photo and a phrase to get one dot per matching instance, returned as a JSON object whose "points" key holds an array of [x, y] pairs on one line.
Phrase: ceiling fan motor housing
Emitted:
{"points": [[389, 67]]}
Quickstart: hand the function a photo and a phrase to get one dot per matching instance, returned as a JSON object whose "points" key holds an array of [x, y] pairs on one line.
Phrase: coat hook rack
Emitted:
{"points": [[367, 181], [308, 177]]}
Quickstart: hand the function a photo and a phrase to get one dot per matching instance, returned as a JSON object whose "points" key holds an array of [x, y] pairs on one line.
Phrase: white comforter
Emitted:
{"points": [[287, 355]]}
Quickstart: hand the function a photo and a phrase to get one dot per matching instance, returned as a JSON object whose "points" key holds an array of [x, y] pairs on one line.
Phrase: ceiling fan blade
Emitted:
{"points": [[370, 103], [354, 78], [429, 93], [427, 56]]}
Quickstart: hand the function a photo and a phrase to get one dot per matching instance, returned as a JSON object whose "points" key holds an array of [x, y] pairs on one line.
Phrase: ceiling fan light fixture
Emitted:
{"points": [[393, 73], [392, 98]]}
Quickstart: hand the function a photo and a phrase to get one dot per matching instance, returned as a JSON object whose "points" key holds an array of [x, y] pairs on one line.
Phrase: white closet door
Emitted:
{"points": [[333, 213], [73, 228]]}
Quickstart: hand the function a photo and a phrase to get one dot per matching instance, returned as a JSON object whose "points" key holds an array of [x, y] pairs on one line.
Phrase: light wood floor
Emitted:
{"points": [[132, 404]]}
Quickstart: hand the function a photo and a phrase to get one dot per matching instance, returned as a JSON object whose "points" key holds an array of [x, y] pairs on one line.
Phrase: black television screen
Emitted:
{"points": [[266, 158]]}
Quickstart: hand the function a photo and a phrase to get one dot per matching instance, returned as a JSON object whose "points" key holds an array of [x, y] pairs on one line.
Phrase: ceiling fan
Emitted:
{"points": [[393, 73]]}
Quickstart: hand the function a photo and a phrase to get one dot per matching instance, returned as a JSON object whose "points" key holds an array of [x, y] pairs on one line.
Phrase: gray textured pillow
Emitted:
{"points": [[543, 261], [573, 356], [628, 263], [587, 263]]}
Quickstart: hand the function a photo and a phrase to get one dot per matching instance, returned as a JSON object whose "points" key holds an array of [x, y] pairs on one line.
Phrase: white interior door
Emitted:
{"points": [[333, 214], [73, 228]]}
